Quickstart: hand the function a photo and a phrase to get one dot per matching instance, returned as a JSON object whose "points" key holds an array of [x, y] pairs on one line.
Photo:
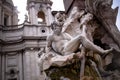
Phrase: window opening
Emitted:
{"points": [[6, 20], [41, 17]]}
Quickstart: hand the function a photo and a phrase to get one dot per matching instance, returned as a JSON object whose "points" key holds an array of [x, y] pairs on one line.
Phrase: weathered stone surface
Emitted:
{"points": [[22, 46]]}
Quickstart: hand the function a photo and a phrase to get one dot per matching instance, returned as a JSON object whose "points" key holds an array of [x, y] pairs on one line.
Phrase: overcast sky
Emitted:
{"points": [[57, 5], [115, 4]]}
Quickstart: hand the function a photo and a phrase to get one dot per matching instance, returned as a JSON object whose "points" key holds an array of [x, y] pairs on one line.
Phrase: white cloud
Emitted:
{"points": [[57, 5], [21, 6]]}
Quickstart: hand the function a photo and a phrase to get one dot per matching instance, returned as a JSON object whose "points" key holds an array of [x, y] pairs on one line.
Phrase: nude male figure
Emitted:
{"points": [[64, 44]]}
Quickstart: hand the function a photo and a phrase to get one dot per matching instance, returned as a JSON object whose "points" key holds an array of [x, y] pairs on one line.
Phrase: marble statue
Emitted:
{"points": [[61, 47], [63, 43]]}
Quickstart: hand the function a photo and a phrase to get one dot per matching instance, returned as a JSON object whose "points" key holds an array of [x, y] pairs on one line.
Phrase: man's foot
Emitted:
{"points": [[108, 51]]}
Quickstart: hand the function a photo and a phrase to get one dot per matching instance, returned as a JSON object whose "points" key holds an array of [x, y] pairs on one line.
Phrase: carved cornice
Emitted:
{"points": [[11, 27], [3, 42], [20, 26], [23, 44], [17, 38]]}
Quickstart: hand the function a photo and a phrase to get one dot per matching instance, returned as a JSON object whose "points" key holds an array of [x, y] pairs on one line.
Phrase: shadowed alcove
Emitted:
{"points": [[41, 17]]}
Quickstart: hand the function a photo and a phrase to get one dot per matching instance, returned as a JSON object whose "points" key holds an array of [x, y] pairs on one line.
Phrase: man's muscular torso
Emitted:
{"points": [[58, 42]]}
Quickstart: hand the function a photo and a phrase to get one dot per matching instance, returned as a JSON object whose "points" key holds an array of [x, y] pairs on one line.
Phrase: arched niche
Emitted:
{"points": [[41, 17]]}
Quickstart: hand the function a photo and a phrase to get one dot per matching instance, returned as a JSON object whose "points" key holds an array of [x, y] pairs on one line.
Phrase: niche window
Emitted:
{"points": [[43, 30], [41, 17], [6, 17]]}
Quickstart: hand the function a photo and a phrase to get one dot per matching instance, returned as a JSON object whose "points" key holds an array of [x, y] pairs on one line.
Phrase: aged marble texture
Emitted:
{"points": [[85, 41], [62, 48]]}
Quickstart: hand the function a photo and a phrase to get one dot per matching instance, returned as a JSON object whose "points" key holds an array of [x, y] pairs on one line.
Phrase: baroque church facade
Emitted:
{"points": [[19, 44]]}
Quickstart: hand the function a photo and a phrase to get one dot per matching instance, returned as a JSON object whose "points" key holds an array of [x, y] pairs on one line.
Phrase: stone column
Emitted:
{"points": [[15, 19], [3, 67], [9, 20], [27, 67], [20, 65], [36, 67], [32, 14], [31, 65], [15, 16], [2, 18], [49, 15]]}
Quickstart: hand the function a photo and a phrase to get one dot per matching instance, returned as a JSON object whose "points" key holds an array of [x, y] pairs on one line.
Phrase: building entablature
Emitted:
{"points": [[24, 44], [23, 31], [23, 36]]}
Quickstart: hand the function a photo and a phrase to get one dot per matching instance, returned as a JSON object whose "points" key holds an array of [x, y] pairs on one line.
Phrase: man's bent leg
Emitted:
{"points": [[72, 45], [90, 45]]}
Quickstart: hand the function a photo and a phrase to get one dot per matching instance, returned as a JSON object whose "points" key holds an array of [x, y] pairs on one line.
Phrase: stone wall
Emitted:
{"points": [[26, 36], [31, 69], [19, 48]]}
